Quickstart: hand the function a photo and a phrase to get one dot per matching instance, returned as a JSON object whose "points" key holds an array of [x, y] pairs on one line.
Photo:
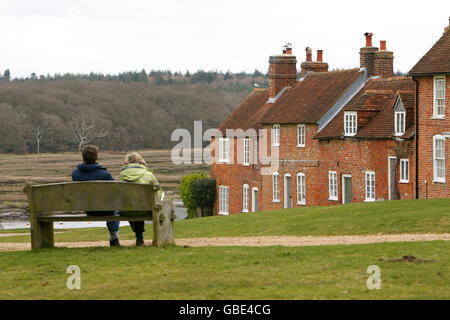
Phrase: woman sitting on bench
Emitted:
{"points": [[135, 170]]}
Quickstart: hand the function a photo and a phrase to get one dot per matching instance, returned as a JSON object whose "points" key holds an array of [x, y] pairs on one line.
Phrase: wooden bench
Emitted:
{"points": [[48, 202]]}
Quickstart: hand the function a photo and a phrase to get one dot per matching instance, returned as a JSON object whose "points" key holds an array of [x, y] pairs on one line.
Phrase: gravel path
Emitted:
{"points": [[288, 241]]}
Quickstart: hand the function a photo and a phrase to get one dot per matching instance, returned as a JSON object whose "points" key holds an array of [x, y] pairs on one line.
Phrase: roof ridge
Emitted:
{"points": [[259, 90], [333, 71], [390, 79]]}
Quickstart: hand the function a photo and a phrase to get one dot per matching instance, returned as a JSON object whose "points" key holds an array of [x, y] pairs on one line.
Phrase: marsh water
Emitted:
{"points": [[181, 214]]}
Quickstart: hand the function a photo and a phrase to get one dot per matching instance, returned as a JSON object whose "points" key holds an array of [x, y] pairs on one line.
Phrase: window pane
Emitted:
{"points": [[439, 96], [276, 187], [246, 151]]}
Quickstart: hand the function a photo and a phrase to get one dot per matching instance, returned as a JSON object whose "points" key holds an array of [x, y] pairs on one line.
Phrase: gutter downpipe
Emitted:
{"points": [[417, 137]]}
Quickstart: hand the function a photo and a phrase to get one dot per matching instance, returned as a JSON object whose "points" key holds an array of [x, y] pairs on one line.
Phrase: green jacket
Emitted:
{"points": [[136, 172]]}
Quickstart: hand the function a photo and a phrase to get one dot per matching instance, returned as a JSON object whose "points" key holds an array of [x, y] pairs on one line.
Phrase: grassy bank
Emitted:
{"points": [[320, 272], [387, 217], [17, 170]]}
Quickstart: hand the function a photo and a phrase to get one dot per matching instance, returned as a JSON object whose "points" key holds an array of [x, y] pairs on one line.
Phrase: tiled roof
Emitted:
{"points": [[375, 106], [308, 100], [437, 60], [408, 98], [249, 112]]}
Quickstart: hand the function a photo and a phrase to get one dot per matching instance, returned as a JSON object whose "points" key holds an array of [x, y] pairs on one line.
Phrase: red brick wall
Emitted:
{"points": [[315, 160], [234, 176], [355, 157], [282, 73], [428, 127], [347, 156], [384, 64]]}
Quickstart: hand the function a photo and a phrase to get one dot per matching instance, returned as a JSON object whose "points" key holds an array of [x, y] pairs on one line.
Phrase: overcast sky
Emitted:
{"points": [[110, 36]]}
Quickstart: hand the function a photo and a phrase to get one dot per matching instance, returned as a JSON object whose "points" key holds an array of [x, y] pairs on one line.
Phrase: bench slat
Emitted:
{"points": [[92, 196], [66, 217]]}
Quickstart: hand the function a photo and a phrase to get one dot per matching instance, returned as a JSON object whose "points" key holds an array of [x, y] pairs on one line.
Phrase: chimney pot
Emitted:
{"points": [[383, 45], [287, 48], [368, 39], [308, 54], [319, 55]]}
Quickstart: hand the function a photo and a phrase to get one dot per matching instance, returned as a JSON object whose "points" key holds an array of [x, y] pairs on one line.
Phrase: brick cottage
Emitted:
{"points": [[337, 136]]}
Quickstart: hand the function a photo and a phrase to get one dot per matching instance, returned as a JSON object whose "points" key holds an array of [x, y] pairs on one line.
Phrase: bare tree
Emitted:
{"points": [[85, 130], [40, 134]]}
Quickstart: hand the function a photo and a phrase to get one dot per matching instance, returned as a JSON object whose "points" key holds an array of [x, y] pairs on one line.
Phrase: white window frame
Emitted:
{"points": [[245, 198], [276, 135], [301, 188], [437, 115], [246, 155], [400, 122], [301, 135], [275, 187], [332, 186], [224, 150], [370, 187], [404, 170], [350, 123], [441, 159], [224, 198]]}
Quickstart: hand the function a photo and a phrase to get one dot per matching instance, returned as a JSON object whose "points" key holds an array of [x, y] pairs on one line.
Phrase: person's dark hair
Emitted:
{"points": [[90, 154]]}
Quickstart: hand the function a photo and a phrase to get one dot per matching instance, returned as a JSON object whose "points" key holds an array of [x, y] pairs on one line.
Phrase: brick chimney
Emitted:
{"points": [[282, 71], [314, 66], [384, 62], [367, 55]]}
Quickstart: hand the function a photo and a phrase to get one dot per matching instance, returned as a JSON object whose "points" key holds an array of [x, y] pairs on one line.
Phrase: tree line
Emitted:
{"points": [[160, 77], [122, 112]]}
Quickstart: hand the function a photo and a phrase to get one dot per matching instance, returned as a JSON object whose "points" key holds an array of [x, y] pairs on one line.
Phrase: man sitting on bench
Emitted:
{"points": [[90, 170]]}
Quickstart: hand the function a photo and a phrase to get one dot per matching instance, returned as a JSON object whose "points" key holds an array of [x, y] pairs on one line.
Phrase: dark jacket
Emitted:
{"points": [[90, 172]]}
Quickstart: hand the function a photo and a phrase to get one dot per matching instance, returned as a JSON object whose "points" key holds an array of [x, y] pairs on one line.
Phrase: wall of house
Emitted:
{"points": [[315, 160], [345, 156], [234, 175], [293, 160], [428, 127], [355, 157]]}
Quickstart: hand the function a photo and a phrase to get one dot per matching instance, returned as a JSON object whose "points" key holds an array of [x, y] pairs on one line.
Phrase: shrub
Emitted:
{"points": [[186, 192], [204, 195]]}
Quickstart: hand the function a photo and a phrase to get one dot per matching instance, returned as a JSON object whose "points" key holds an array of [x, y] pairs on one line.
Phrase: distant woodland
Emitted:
{"points": [[131, 110]]}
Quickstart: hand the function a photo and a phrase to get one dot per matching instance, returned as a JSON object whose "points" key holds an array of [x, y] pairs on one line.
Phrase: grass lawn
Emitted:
{"points": [[325, 272], [320, 272], [386, 217]]}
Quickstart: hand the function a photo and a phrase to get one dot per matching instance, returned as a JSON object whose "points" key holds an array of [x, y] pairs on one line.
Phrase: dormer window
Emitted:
{"points": [[400, 123], [350, 123], [400, 117]]}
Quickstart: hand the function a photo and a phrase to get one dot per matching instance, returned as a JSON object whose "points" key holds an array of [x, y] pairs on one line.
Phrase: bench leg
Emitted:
{"points": [[163, 225], [42, 235]]}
